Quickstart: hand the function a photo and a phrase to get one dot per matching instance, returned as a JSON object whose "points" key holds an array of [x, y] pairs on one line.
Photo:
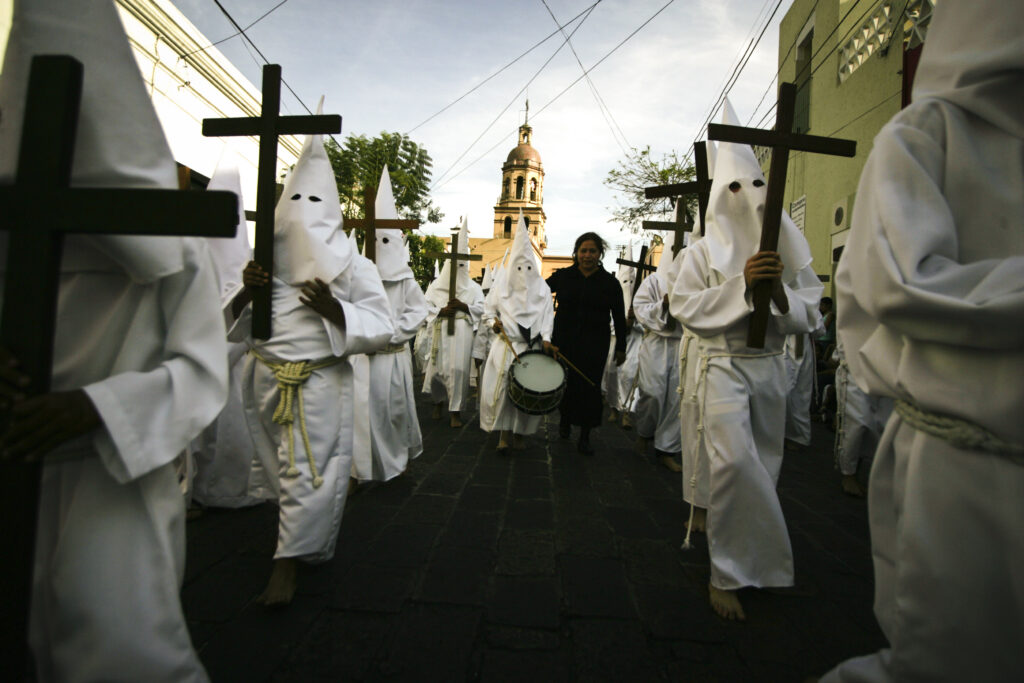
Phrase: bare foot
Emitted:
{"points": [[626, 422], [194, 512], [641, 445], [503, 438], [454, 420], [726, 604], [670, 462], [700, 519], [281, 587], [437, 411], [852, 487], [613, 416], [518, 442]]}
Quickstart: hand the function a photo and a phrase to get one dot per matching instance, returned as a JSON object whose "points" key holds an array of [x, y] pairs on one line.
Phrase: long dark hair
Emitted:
{"points": [[589, 237]]}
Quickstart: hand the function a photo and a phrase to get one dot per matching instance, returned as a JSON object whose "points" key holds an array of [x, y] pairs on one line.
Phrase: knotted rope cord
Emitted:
{"points": [[841, 394], [701, 385], [291, 376], [960, 433]]}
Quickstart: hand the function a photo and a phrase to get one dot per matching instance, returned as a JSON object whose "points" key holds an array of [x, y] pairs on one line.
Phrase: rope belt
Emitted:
{"points": [[389, 349], [960, 433], [290, 376]]}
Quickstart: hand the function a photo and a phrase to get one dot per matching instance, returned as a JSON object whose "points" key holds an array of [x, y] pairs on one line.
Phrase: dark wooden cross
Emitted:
{"points": [[453, 272], [371, 224], [268, 126], [37, 211], [680, 226], [642, 268], [782, 139], [700, 187]]}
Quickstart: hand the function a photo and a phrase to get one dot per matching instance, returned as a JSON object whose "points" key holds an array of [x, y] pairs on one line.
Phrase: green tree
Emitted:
{"points": [[421, 264], [639, 170]]}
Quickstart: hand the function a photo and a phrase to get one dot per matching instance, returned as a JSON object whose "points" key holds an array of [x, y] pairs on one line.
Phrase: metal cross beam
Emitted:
{"points": [[781, 140], [680, 226], [700, 187], [37, 211], [371, 224], [268, 126], [453, 272]]}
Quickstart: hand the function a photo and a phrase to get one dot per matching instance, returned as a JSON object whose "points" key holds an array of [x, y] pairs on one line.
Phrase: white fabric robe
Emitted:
{"points": [[497, 412], [861, 421], [696, 468], [741, 396], [309, 517], [800, 388], [110, 545], [451, 356], [421, 346], [388, 394], [627, 375], [657, 404], [610, 378], [930, 304]]}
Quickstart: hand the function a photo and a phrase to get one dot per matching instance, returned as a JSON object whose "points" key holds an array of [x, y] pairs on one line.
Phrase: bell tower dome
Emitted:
{"points": [[522, 187]]}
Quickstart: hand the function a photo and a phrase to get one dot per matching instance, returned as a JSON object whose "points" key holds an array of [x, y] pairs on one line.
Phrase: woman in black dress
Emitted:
{"points": [[586, 295]]}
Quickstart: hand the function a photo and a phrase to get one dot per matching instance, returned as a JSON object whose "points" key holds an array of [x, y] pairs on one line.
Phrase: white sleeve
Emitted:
{"points": [[367, 312]]}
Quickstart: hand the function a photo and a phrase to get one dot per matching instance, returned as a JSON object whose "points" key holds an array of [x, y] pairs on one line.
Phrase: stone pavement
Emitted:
{"points": [[542, 566]]}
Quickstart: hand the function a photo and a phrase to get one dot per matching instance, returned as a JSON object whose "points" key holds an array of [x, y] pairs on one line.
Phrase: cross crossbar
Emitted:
{"points": [[701, 187], [371, 224], [680, 226], [453, 272]]}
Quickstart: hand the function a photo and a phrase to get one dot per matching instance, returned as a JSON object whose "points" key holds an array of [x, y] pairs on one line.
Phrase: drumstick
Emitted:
{"points": [[580, 372], [509, 342]]}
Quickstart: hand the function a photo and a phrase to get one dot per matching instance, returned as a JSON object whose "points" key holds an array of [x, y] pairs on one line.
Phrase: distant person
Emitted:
{"points": [[587, 296]]}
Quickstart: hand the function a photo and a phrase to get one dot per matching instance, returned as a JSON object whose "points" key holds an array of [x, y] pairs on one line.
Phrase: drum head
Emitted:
{"points": [[539, 372]]}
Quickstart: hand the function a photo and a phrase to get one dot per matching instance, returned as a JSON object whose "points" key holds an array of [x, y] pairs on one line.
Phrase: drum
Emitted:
{"points": [[536, 382]]}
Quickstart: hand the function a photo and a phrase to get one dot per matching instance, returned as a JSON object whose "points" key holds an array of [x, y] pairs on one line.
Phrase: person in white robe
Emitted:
{"points": [[139, 369], [484, 335], [451, 355], [388, 392], [627, 375], [656, 413], [860, 421], [741, 391], [798, 351], [522, 315], [328, 302], [930, 299], [424, 337], [225, 461]]}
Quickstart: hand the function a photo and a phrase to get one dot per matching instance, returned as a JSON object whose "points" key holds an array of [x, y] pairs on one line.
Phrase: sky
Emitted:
{"points": [[389, 65]]}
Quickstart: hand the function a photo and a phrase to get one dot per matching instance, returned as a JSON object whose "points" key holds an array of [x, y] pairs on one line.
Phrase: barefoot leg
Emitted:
{"points": [[670, 462], [454, 419], [281, 586], [518, 442], [503, 439], [726, 604], [852, 487]]}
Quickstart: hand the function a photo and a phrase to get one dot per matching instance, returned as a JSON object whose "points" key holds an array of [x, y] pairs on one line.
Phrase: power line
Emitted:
{"points": [[781, 62], [565, 90], [233, 35], [511, 101], [481, 83], [601, 106]]}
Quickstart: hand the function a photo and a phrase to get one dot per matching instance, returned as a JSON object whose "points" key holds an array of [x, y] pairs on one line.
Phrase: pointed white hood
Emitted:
{"points": [[392, 259], [524, 295], [119, 142], [626, 275], [668, 267], [308, 239], [488, 278], [437, 293], [229, 254], [734, 219]]}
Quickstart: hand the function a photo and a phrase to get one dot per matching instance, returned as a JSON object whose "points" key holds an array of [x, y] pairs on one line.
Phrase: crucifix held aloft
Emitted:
{"points": [[453, 272], [268, 126], [37, 211], [642, 268], [782, 139], [680, 226], [371, 224], [700, 187]]}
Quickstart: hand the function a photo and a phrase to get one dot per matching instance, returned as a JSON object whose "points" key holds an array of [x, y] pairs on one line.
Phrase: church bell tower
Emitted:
{"points": [[522, 187]]}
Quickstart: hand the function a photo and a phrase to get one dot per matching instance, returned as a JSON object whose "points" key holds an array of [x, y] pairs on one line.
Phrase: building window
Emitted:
{"points": [[504, 193], [802, 106], [533, 189], [526, 219], [519, 187], [507, 233], [915, 22], [872, 36]]}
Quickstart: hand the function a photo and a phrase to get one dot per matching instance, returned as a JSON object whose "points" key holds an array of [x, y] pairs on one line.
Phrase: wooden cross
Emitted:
{"points": [[700, 187], [371, 224], [453, 273], [680, 226], [781, 140], [268, 126], [642, 268], [37, 211]]}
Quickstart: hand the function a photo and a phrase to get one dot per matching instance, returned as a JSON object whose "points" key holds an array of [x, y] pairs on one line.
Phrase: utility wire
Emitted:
{"points": [[565, 90], [601, 106], [782, 61], [513, 100], [233, 35], [481, 83]]}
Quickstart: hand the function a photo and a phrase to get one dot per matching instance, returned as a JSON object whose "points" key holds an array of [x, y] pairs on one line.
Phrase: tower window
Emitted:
{"points": [[526, 219], [506, 189], [519, 187], [533, 189], [508, 227]]}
